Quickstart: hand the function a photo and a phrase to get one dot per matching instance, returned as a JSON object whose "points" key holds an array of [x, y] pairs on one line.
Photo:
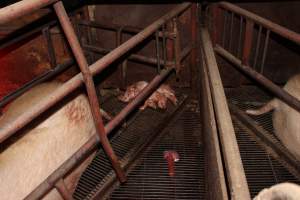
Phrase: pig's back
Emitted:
{"points": [[33, 157], [286, 119]]}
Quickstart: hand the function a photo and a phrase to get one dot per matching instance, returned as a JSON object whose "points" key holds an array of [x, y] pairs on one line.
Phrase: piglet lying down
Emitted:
{"points": [[158, 99]]}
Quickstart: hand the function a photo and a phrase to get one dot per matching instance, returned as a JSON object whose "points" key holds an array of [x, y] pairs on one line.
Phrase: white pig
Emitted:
{"points": [[281, 191], [286, 120], [44, 144]]}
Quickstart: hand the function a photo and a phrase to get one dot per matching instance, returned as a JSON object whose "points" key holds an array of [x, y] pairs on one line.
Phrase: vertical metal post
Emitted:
{"points": [[216, 20], [124, 63], [224, 28], [51, 51], [91, 91], [177, 45], [63, 190], [86, 16], [231, 31], [194, 42], [157, 47], [238, 53], [257, 46], [164, 44], [265, 52], [169, 43], [247, 42]]}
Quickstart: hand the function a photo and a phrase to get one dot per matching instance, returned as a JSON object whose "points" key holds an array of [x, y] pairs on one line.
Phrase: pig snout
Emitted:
{"points": [[46, 145]]}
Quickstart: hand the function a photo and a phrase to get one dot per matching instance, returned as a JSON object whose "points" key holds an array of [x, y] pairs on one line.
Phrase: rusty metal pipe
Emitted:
{"points": [[91, 144], [63, 190], [77, 80], [139, 99], [16, 10], [280, 30], [90, 87], [212, 151], [46, 76], [132, 57], [233, 163], [276, 90], [125, 29]]}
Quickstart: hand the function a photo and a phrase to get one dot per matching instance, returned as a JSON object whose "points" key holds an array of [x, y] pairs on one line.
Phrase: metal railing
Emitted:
{"points": [[232, 160], [222, 15], [85, 77]]}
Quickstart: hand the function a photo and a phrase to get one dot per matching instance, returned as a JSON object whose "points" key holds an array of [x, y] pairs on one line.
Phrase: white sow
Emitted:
{"points": [[45, 144], [286, 120], [281, 191]]}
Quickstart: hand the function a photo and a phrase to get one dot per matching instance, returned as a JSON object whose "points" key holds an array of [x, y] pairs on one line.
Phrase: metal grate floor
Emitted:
{"points": [[150, 180], [261, 169], [141, 126]]}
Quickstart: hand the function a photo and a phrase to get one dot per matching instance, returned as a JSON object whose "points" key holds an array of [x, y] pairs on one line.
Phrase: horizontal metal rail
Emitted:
{"points": [[97, 67], [243, 64], [140, 58], [279, 92], [44, 77], [115, 27], [280, 30], [21, 8], [132, 57], [230, 150], [90, 146]]}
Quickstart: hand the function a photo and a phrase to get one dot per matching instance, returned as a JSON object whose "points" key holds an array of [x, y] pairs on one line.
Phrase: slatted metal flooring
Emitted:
{"points": [[261, 169], [150, 179], [141, 126]]}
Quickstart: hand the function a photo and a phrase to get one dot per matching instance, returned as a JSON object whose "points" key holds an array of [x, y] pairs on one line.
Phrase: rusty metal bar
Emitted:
{"points": [[115, 27], [177, 44], [91, 144], [16, 10], [257, 46], [216, 19], [90, 87], [265, 52], [224, 28], [164, 43], [51, 51], [46, 76], [88, 32], [213, 158], [194, 46], [157, 47], [233, 163], [95, 68], [280, 30], [276, 90], [247, 42], [240, 38], [132, 57], [12, 40], [139, 99], [63, 190], [231, 29]]}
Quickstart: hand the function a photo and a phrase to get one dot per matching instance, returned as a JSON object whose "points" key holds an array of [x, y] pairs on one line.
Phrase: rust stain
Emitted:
{"points": [[76, 112]]}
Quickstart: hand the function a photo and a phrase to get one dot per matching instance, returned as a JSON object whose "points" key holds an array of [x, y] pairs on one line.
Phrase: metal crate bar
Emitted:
{"points": [[233, 163], [90, 86], [243, 64], [90, 145], [95, 68], [85, 76]]}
